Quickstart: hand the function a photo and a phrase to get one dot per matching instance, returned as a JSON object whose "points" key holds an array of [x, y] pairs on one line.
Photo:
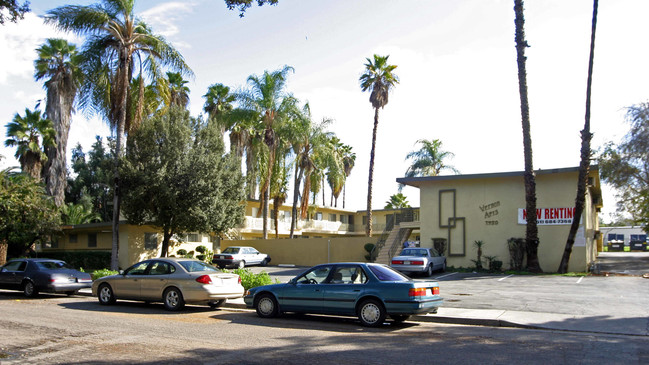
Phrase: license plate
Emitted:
{"points": [[429, 292], [406, 262]]}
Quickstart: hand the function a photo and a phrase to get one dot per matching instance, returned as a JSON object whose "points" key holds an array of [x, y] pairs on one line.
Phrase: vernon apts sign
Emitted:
{"points": [[548, 216]]}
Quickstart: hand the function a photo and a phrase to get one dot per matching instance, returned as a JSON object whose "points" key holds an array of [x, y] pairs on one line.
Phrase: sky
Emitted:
{"points": [[456, 64]]}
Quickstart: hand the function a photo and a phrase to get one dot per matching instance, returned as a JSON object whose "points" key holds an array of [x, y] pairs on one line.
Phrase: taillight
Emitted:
{"points": [[239, 277], [397, 262], [416, 262], [417, 292], [436, 290], [227, 257], [204, 279]]}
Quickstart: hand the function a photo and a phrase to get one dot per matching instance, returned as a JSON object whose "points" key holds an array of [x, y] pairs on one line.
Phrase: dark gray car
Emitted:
{"points": [[42, 275]]}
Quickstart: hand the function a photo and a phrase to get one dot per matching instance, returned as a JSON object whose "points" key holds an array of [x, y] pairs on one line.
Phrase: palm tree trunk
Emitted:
{"points": [[296, 193], [370, 180], [531, 233], [584, 165], [59, 111]]}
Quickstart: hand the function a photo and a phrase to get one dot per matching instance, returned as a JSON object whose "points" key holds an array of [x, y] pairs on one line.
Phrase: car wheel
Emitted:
{"points": [[371, 313], [173, 299], [399, 317], [267, 306], [105, 295], [444, 266], [264, 262], [429, 270], [29, 289], [242, 264], [217, 304]]}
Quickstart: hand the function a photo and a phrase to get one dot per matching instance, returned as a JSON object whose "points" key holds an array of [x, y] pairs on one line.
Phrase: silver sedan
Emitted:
{"points": [[172, 281]]}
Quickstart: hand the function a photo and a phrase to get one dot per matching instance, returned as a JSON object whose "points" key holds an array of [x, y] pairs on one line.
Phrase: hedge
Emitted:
{"points": [[88, 260]]}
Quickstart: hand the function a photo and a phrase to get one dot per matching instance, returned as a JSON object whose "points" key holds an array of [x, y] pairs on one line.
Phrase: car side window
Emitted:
{"points": [[348, 275], [317, 276], [160, 268], [137, 269], [12, 266], [22, 266]]}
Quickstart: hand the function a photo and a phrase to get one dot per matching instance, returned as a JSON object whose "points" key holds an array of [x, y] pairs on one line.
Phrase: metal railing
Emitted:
{"points": [[405, 215]]}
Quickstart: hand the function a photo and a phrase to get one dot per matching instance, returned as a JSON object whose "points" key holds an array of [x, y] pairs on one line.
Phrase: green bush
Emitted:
{"points": [[250, 279], [101, 273], [182, 252], [89, 260], [201, 249]]}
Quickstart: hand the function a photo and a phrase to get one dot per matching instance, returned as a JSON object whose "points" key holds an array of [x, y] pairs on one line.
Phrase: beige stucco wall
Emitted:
{"points": [[308, 251], [490, 206]]}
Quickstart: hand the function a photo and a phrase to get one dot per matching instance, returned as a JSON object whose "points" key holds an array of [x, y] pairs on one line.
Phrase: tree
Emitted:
{"points": [[59, 63], [118, 45], [27, 214], [531, 231], [624, 166], [397, 201], [74, 214], [177, 177], [584, 165], [218, 103], [349, 160], [429, 159], [16, 10], [26, 133], [243, 5], [178, 91], [271, 106], [379, 79]]}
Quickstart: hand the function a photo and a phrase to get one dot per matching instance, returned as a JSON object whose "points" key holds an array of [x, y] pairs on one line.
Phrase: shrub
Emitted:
{"points": [[371, 254], [201, 249], [250, 279], [517, 248], [101, 273], [90, 260], [182, 252]]}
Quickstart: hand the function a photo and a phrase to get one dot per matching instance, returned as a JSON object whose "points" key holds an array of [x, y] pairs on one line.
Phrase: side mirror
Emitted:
{"points": [[292, 281]]}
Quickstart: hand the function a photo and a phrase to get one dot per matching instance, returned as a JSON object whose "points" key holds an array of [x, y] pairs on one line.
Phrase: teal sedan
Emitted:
{"points": [[367, 290]]}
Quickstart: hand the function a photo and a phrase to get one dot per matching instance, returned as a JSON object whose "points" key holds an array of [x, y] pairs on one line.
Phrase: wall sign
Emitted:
{"points": [[548, 216], [490, 213]]}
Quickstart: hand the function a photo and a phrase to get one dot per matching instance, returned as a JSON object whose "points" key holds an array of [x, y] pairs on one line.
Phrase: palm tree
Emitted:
{"points": [[59, 63], [379, 79], [584, 165], [74, 214], [531, 231], [30, 134], [178, 91], [336, 170], [349, 160], [218, 103], [429, 159], [270, 103], [397, 201], [118, 45]]}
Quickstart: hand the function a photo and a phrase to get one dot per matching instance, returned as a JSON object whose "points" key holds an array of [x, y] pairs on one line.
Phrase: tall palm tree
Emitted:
{"points": [[429, 160], [397, 201], [349, 160], [218, 103], [378, 78], [271, 104], [584, 165], [336, 170], [178, 90], [30, 134], [59, 63], [531, 231], [118, 45]]}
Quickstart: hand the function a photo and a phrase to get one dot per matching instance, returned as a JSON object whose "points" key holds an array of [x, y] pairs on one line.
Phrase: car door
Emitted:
{"points": [[304, 293], [436, 259], [255, 256], [128, 284], [12, 274], [343, 289], [155, 280]]}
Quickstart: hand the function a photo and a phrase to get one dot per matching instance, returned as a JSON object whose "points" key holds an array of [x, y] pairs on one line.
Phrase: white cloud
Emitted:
{"points": [[164, 17]]}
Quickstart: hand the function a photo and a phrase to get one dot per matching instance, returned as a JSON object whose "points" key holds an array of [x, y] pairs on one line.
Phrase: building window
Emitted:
{"points": [[344, 219], [318, 216], [332, 217], [364, 220], [92, 239], [74, 238], [193, 237], [54, 243], [150, 241]]}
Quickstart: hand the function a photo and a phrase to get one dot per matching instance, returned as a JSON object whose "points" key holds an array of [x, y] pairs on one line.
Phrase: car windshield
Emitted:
{"points": [[231, 250], [385, 273], [414, 252], [195, 266], [52, 265]]}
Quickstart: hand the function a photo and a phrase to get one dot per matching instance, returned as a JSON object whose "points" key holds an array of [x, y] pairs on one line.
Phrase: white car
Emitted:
{"points": [[240, 257], [419, 260]]}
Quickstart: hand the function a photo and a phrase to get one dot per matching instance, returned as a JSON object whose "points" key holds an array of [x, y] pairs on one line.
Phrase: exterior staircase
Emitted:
{"points": [[397, 230]]}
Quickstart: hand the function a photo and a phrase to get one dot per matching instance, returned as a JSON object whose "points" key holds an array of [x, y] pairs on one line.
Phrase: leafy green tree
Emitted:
{"points": [[17, 11], [378, 78], [625, 166], [243, 5], [584, 165], [27, 214], [429, 159], [397, 201], [531, 231], [177, 177], [30, 134], [118, 45], [59, 63]]}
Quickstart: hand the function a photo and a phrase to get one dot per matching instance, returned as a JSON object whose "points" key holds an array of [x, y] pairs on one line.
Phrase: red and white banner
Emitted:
{"points": [[548, 216]]}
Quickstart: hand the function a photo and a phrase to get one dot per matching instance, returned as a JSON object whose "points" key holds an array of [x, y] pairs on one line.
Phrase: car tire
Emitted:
{"points": [[266, 306], [29, 289], [371, 313], [398, 318], [264, 262], [217, 304], [173, 299], [241, 264], [429, 270], [105, 294], [444, 266]]}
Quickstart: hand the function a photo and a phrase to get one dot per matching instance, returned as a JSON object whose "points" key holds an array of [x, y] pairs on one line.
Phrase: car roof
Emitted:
{"points": [[34, 259]]}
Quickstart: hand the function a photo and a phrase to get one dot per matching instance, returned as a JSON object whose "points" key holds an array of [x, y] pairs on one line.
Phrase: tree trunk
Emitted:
{"points": [[3, 251], [59, 111], [296, 193], [531, 234], [370, 179], [584, 165], [166, 238]]}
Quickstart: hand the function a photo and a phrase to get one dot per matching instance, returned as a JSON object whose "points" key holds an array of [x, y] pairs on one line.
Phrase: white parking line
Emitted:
{"points": [[509, 276], [443, 276], [580, 279]]}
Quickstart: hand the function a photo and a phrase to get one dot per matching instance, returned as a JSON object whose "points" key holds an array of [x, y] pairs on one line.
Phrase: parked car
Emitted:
{"points": [[419, 260], [42, 275], [172, 281], [366, 290], [240, 256]]}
